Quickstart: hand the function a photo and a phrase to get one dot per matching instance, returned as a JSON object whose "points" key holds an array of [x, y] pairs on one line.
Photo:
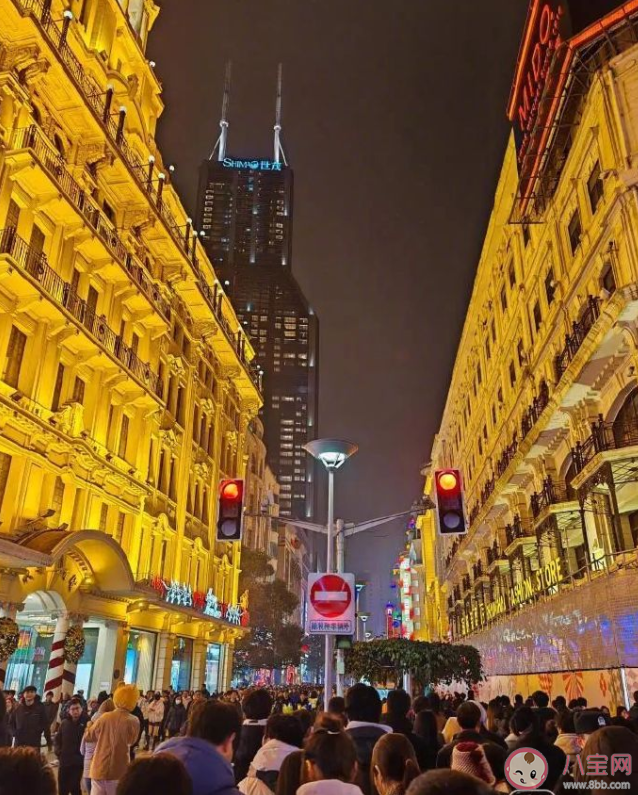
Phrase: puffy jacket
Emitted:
{"points": [[176, 718], [67, 743], [28, 724], [156, 711], [264, 769], [210, 773]]}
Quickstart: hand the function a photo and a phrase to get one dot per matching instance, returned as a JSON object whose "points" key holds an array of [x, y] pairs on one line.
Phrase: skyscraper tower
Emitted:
{"points": [[244, 214]]}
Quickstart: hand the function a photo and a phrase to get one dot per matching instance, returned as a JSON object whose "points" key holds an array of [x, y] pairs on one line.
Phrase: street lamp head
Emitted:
{"points": [[333, 453]]}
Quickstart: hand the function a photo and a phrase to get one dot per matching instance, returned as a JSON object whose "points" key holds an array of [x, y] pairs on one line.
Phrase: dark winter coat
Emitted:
{"points": [[28, 724], [250, 741], [67, 743], [176, 718], [365, 738]]}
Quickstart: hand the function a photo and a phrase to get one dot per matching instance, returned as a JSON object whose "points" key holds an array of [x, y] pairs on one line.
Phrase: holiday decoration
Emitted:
{"points": [[74, 644], [9, 635]]}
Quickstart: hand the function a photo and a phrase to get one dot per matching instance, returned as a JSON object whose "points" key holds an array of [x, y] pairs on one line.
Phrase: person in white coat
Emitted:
{"points": [[331, 761], [283, 736], [155, 717]]}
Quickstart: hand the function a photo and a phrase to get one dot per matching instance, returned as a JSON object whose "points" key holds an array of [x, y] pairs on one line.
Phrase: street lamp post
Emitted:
{"points": [[333, 453]]}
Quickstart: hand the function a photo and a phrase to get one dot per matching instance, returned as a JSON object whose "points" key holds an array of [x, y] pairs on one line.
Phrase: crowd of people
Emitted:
{"points": [[288, 742]]}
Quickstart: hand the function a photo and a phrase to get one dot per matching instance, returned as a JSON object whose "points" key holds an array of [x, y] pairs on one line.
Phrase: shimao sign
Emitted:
{"points": [[331, 604]]}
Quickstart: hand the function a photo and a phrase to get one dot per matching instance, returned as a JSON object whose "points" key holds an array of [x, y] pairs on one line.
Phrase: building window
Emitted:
{"points": [[104, 512], [521, 353], [503, 299], [538, 317], [511, 272], [550, 286], [493, 415], [78, 390], [487, 349], [5, 464], [512, 371], [575, 231], [493, 331], [479, 375], [526, 235], [595, 187], [119, 528], [57, 389], [124, 428], [607, 279], [13, 360]]}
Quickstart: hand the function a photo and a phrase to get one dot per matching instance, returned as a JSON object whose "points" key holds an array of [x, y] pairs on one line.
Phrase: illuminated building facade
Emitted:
{"points": [[542, 410], [126, 380], [244, 215]]}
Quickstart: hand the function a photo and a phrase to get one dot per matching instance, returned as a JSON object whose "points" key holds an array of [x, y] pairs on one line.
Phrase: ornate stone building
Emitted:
{"points": [[542, 410], [126, 381]]}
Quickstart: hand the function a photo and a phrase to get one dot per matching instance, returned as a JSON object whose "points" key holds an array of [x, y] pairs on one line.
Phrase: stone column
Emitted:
{"points": [[55, 672], [70, 669], [119, 662], [198, 672], [164, 660]]}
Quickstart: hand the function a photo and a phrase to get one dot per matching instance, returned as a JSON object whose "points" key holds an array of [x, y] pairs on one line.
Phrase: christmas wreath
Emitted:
{"points": [[9, 635], [74, 644]]}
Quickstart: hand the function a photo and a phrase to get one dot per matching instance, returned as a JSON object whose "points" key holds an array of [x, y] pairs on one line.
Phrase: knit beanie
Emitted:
{"points": [[125, 697], [469, 757]]}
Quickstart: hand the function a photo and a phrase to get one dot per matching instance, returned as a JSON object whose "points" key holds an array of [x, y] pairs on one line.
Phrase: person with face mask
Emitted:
{"points": [[29, 721], [176, 717], [155, 719]]}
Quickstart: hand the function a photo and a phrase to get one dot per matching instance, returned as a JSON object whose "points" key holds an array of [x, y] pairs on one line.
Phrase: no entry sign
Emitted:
{"points": [[331, 609]]}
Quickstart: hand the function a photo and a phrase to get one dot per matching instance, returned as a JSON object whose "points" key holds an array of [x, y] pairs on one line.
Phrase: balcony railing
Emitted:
{"points": [[518, 529], [100, 103], [551, 494], [33, 139], [506, 457], [96, 98], [493, 554], [605, 436], [573, 341], [535, 409], [35, 264], [487, 490], [451, 554]]}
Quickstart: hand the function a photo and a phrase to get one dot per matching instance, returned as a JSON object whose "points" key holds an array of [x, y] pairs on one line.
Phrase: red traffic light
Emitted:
{"points": [[450, 507], [230, 491]]}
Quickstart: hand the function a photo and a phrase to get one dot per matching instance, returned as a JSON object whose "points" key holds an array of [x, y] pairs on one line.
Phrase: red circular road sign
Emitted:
{"points": [[331, 596]]}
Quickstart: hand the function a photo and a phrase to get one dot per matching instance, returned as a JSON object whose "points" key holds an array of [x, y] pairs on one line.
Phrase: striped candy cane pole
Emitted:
{"points": [[7, 610], [55, 672], [70, 669]]}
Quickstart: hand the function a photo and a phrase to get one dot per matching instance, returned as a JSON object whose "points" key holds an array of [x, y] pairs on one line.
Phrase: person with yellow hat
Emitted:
{"points": [[113, 733]]}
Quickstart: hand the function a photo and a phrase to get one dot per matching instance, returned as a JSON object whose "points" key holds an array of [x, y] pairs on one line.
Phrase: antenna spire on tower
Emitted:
{"points": [[279, 153], [220, 145]]}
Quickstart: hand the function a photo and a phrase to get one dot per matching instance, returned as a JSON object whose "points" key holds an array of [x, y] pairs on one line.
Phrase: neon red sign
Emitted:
{"points": [[538, 66]]}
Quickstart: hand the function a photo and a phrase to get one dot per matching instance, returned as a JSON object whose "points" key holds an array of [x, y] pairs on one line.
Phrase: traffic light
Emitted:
{"points": [[450, 504], [343, 641], [230, 510]]}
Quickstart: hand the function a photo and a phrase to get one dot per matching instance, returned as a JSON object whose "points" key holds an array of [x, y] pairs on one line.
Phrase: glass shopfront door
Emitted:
{"points": [[140, 658], [213, 667], [181, 664]]}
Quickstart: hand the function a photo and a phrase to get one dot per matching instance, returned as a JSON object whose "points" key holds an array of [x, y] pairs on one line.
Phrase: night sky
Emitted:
{"points": [[394, 123]]}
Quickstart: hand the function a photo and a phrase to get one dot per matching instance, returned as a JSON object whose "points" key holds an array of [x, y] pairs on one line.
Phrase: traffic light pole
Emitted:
{"points": [[328, 670]]}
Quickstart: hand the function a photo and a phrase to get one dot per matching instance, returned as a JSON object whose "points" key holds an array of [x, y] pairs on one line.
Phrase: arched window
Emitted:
{"points": [[625, 426]]}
